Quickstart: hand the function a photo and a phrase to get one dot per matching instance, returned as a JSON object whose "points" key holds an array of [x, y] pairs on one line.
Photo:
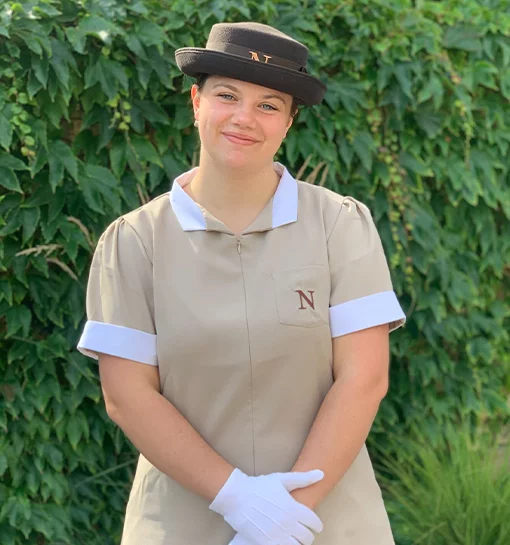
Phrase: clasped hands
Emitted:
{"points": [[262, 510]]}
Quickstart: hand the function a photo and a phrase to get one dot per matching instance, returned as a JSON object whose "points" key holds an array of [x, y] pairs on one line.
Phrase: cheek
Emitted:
{"points": [[275, 131], [218, 115]]}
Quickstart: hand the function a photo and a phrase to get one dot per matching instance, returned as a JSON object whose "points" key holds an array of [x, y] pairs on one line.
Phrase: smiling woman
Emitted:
{"points": [[241, 324], [241, 127]]}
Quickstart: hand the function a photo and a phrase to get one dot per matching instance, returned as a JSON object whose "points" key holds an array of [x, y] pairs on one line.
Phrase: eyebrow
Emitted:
{"points": [[236, 90]]}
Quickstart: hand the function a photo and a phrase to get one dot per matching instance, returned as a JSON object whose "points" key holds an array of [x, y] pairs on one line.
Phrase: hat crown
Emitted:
{"points": [[258, 37]]}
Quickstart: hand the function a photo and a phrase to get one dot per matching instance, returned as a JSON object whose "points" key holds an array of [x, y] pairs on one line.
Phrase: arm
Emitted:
{"points": [[156, 427], [171, 444], [361, 369]]}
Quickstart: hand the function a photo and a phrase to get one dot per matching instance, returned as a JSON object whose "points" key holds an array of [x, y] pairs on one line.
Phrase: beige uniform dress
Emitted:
{"points": [[241, 329]]}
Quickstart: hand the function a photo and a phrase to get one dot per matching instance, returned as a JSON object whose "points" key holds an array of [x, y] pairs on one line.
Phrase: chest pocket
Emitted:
{"points": [[302, 296]]}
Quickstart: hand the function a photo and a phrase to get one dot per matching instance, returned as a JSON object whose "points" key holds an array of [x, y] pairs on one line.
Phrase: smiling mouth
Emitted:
{"points": [[239, 139]]}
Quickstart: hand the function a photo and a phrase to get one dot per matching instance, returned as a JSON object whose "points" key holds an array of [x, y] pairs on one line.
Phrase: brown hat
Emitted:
{"points": [[257, 54]]}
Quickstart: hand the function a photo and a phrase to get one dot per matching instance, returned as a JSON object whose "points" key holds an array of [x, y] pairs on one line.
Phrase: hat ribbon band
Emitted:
{"points": [[256, 56]]}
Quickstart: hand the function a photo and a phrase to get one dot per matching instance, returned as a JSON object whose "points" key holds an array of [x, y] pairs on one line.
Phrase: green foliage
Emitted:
{"points": [[95, 120], [455, 491]]}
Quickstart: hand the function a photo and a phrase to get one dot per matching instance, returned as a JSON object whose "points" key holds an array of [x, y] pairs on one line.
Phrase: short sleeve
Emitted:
{"points": [[120, 301], [362, 294]]}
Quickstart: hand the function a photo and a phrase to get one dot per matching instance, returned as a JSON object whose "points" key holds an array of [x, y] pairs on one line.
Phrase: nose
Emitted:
{"points": [[243, 115]]}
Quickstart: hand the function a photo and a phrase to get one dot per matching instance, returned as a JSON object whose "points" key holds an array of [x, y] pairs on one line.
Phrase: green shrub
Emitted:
{"points": [[95, 120], [454, 491]]}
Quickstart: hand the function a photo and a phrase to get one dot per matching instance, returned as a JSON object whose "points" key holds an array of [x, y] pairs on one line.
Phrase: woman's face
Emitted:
{"points": [[241, 124]]}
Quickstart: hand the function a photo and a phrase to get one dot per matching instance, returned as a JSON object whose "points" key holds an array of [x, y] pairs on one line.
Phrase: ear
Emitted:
{"points": [[289, 124], [195, 99]]}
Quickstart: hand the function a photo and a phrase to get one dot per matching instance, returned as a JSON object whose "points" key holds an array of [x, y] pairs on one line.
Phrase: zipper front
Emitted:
{"points": [[249, 350]]}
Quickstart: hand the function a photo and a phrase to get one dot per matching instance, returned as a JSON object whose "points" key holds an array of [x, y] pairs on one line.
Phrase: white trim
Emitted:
{"points": [[190, 216], [185, 208], [120, 341], [370, 311], [285, 201]]}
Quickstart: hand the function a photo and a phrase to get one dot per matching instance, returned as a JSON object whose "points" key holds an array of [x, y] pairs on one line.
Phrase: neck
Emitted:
{"points": [[235, 197]]}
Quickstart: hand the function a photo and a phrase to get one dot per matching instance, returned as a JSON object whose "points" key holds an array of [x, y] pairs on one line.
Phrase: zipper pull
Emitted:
{"points": [[239, 246]]}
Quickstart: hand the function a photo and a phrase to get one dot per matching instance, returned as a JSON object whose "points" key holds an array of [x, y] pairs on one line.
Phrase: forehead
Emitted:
{"points": [[245, 87]]}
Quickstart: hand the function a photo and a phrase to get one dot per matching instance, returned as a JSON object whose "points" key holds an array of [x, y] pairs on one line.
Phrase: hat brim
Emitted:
{"points": [[306, 89]]}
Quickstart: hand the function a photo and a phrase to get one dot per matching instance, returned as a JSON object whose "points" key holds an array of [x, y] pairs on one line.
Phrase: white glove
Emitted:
{"points": [[241, 540], [262, 509]]}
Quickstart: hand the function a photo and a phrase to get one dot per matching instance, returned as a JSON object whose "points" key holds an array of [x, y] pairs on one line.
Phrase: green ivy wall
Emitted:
{"points": [[95, 120]]}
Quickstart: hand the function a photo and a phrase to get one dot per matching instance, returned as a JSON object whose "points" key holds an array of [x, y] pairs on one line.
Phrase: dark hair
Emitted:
{"points": [[202, 78]]}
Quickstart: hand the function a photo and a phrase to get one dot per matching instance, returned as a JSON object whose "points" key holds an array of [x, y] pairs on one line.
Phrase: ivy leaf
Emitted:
{"points": [[100, 28], [150, 34], [428, 120], [77, 428], [13, 224], [56, 205], [9, 180], [9, 161], [33, 86], [117, 71], [31, 41], [413, 164], [18, 317], [156, 175], [6, 291], [6, 129], [54, 456], [60, 60], [505, 83], [40, 67], [349, 92], [484, 73], [152, 112], [138, 7], [364, 146], [77, 38], [31, 217], [403, 73], [346, 151], [41, 158], [3, 464], [465, 38], [98, 183], [56, 171], [384, 74], [433, 89], [145, 151], [144, 70], [136, 47], [101, 174], [100, 73], [461, 291], [63, 152], [118, 156]]}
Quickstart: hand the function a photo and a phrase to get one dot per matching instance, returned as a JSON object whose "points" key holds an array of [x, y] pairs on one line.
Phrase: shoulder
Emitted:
{"points": [[143, 218], [136, 228], [337, 210]]}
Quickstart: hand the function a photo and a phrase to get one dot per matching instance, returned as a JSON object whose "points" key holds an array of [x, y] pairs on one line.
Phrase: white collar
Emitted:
{"points": [[190, 215]]}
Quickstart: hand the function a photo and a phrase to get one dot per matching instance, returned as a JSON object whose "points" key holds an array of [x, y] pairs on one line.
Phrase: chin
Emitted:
{"points": [[237, 161]]}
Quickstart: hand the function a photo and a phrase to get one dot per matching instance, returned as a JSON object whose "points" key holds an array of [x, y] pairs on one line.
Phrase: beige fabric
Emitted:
{"points": [[241, 332]]}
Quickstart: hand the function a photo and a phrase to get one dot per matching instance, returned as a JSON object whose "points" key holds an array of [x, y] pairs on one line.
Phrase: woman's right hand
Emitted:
{"points": [[262, 510]]}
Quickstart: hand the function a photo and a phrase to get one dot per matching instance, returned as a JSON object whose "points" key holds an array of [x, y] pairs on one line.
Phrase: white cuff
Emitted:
{"points": [[120, 341], [370, 311], [228, 496]]}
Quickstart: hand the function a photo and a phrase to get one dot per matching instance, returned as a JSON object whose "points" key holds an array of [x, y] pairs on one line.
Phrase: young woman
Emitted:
{"points": [[241, 324]]}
